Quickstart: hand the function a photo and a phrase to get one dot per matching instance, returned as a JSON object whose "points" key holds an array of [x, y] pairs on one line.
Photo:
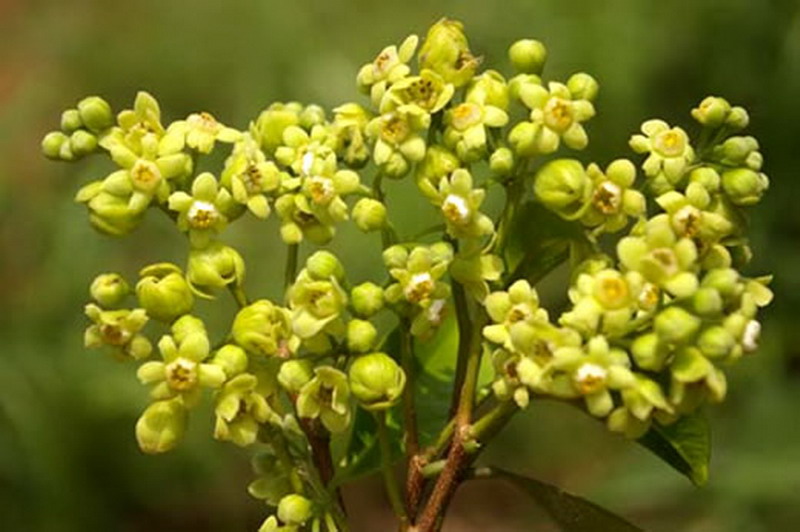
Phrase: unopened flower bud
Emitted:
{"points": [[323, 265], [367, 299], [648, 352], [361, 336], [716, 342], [376, 380], [82, 143], [232, 359], [214, 267], [502, 161], [51, 144], [369, 215], [263, 329], [161, 426], [294, 374], [395, 256], [70, 120], [294, 510], [712, 111], [582, 86], [707, 302], [95, 113], [676, 325], [528, 56], [563, 186], [163, 292], [744, 186], [737, 118], [109, 289], [311, 116]]}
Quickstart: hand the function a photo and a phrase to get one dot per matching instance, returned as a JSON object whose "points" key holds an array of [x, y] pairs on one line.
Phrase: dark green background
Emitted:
{"points": [[68, 459]]}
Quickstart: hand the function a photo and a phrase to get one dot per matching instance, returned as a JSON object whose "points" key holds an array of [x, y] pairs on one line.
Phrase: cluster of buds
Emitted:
{"points": [[649, 330]]}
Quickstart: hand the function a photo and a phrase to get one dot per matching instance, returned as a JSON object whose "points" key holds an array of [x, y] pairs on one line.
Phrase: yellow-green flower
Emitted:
{"points": [[118, 329], [466, 131], [427, 91], [670, 154], [398, 139], [556, 115], [182, 373], [202, 131], [201, 214], [388, 67], [250, 177], [327, 397]]}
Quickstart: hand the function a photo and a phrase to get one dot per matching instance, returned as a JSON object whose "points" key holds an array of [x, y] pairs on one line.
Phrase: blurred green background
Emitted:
{"points": [[68, 459]]}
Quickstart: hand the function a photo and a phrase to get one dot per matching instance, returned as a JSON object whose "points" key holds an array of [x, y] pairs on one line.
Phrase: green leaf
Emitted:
{"points": [[570, 512], [685, 445], [538, 242]]}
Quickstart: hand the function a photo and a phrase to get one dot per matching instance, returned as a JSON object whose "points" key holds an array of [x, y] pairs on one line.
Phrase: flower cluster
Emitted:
{"points": [[657, 310]]}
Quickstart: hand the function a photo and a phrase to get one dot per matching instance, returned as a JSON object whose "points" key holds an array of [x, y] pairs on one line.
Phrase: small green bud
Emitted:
{"points": [[676, 325], [161, 426], [294, 510], [51, 144], [82, 143], [716, 342], [95, 113], [367, 299], [70, 120], [723, 280], [294, 374], [707, 302], [648, 353], [712, 112], [232, 359], [376, 380], [323, 265], [563, 186], [312, 115], [369, 215], [528, 56], [395, 257], [214, 267], [164, 292], [744, 186], [738, 118], [109, 289], [361, 336], [582, 86], [502, 161], [264, 329]]}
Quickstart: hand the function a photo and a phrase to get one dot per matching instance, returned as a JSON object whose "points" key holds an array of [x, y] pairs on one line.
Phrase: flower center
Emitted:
{"points": [[182, 374], [419, 287], [558, 114], [395, 129], [252, 179], [665, 258], [590, 378], [114, 335], [648, 298], [688, 220], [145, 175], [385, 61], [466, 115], [202, 215], [321, 189], [608, 198], [204, 122], [518, 313], [670, 143], [612, 292], [456, 210], [422, 92]]}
